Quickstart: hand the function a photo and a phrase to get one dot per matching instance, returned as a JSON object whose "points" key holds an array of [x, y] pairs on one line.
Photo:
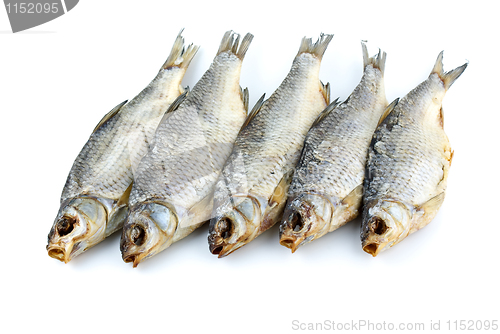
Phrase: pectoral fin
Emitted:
{"points": [[280, 193], [198, 213], [433, 204], [353, 199], [124, 199], [427, 211]]}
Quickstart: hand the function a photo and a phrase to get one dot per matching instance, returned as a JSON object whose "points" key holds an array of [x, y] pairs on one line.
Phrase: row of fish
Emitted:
{"points": [[166, 162]]}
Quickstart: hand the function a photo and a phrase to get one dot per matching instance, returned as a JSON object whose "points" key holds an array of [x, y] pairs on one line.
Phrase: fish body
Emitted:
{"points": [[251, 192], [94, 201], [408, 164], [326, 190], [173, 186]]}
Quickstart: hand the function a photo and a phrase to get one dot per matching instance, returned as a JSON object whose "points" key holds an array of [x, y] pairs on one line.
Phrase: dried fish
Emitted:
{"points": [[173, 186], [95, 197], [327, 186], [250, 194], [408, 163]]}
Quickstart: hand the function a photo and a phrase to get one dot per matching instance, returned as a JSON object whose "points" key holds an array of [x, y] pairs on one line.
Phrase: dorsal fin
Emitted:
{"points": [[388, 110], [326, 112], [255, 110], [109, 115], [244, 97], [177, 102]]}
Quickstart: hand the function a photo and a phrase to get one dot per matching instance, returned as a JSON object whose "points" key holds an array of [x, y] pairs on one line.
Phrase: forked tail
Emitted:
{"points": [[180, 56], [318, 48], [231, 43], [377, 61], [450, 76]]}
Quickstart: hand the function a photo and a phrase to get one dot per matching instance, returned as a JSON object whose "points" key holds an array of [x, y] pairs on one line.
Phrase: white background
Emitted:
{"points": [[57, 81]]}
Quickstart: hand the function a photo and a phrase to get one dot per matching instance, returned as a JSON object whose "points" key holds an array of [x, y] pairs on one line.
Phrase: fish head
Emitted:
{"points": [[384, 224], [236, 226], [79, 225], [306, 218], [149, 229]]}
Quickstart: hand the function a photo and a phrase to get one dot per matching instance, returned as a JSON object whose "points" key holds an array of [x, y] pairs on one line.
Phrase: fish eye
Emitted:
{"points": [[378, 226], [296, 222], [225, 227], [137, 235], [65, 225]]}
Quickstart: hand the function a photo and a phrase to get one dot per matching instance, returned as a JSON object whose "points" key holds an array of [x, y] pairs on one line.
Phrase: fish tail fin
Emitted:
{"points": [[231, 43], [180, 56], [450, 76], [377, 61], [318, 48]]}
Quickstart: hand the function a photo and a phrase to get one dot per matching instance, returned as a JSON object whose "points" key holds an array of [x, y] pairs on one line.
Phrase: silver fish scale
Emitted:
{"points": [[410, 152], [193, 142], [270, 145], [105, 166], [335, 150]]}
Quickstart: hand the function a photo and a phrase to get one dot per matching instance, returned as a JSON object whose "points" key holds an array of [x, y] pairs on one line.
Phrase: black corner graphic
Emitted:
{"points": [[70, 4], [28, 14]]}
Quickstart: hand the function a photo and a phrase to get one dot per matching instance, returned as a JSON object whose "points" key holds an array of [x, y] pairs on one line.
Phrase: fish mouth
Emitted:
{"points": [[294, 243], [373, 248], [58, 253], [65, 252], [378, 234], [291, 231], [224, 250], [216, 249], [135, 259]]}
